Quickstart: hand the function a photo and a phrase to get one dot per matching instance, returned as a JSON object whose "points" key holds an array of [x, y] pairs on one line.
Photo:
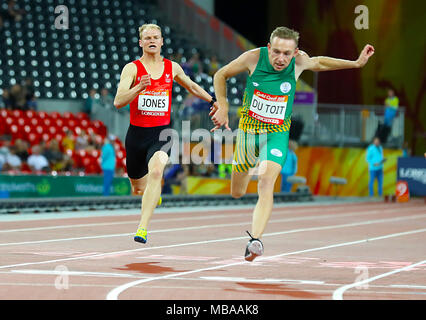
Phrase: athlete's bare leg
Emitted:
{"points": [[152, 192], [239, 183], [268, 173], [138, 185]]}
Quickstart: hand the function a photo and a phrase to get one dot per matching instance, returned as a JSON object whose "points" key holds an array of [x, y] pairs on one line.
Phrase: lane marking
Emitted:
{"points": [[77, 273], [217, 279], [406, 286], [113, 294], [210, 226], [210, 241], [128, 212], [338, 294], [239, 279], [205, 216]]}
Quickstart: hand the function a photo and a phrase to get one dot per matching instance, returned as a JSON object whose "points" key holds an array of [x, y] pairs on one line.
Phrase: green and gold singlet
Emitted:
{"points": [[265, 115], [268, 98]]}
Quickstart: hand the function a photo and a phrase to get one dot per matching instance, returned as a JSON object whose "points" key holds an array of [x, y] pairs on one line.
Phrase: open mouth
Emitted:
{"points": [[152, 46]]}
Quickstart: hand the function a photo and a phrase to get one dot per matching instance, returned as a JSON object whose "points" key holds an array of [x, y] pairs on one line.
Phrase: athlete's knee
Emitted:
{"points": [[266, 182], [237, 193], [156, 172], [137, 190]]}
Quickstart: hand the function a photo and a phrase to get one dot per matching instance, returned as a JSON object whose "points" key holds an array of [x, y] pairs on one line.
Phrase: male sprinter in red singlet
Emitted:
{"points": [[266, 115], [147, 85]]}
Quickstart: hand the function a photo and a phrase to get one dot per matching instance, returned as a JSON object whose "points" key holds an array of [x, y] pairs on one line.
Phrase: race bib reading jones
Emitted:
{"points": [[154, 103], [268, 108]]}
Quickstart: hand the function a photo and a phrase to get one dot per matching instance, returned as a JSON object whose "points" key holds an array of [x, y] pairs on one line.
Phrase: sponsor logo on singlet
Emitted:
{"points": [[268, 108], [285, 87], [154, 102], [277, 153]]}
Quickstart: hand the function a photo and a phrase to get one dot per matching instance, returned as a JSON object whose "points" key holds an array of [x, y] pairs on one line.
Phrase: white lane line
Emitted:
{"points": [[207, 227], [217, 279], [160, 210], [113, 294], [338, 294], [406, 286], [239, 279], [207, 242], [136, 276], [205, 216], [77, 273]]}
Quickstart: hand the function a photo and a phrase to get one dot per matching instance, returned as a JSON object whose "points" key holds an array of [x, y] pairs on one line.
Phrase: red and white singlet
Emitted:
{"points": [[152, 107]]}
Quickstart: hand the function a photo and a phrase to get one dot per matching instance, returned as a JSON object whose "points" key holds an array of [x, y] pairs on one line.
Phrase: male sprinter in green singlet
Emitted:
{"points": [[266, 115]]}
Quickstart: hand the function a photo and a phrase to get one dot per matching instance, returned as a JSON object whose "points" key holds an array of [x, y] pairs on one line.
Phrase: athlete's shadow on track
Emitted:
{"points": [[275, 289], [148, 267]]}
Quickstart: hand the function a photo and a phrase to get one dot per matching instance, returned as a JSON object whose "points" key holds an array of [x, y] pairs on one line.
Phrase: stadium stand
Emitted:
{"points": [[101, 39]]}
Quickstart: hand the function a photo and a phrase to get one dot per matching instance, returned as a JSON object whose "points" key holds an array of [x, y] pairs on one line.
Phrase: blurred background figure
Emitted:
{"points": [[224, 170], [13, 162], [108, 163], [54, 155], [29, 91], [391, 107], [375, 161], [89, 103], [22, 148], [38, 162], [195, 64], [175, 175], [68, 142], [5, 102], [82, 141], [290, 166], [213, 66], [106, 99], [13, 13], [406, 150], [17, 97], [4, 151]]}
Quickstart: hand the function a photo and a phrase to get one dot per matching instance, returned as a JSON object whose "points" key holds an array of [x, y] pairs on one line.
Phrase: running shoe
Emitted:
{"points": [[160, 201], [254, 248], [141, 235]]}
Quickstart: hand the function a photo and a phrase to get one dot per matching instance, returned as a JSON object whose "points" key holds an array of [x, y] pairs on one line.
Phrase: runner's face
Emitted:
{"points": [[151, 41], [280, 52]]}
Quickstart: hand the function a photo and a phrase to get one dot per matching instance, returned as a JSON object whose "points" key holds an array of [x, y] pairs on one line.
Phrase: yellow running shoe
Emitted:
{"points": [[141, 235], [160, 201]]}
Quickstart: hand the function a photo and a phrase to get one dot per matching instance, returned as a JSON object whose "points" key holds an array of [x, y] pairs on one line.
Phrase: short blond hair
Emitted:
{"points": [[285, 33], [145, 26]]}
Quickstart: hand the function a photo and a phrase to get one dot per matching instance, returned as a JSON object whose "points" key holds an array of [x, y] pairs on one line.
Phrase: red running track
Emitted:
{"points": [[370, 250]]}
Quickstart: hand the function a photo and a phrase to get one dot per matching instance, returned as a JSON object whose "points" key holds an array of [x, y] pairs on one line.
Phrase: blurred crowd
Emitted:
{"points": [[196, 66], [105, 100], [20, 96], [46, 157], [12, 13]]}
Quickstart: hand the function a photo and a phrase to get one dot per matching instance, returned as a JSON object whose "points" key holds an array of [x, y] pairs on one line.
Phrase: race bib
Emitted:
{"points": [[153, 103], [268, 108]]}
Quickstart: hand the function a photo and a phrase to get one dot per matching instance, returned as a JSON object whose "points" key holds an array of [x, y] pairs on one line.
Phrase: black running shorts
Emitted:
{"points": [[141, 144]]}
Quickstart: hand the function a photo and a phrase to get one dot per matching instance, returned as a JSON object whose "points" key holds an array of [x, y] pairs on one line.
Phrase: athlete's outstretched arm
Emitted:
{"points": [[125, 94], [186, 82], [245, 62], [304, 62]]}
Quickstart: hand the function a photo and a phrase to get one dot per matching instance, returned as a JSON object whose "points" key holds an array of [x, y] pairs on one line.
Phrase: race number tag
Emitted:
{"points": [[153, 102], [268, 108]]}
